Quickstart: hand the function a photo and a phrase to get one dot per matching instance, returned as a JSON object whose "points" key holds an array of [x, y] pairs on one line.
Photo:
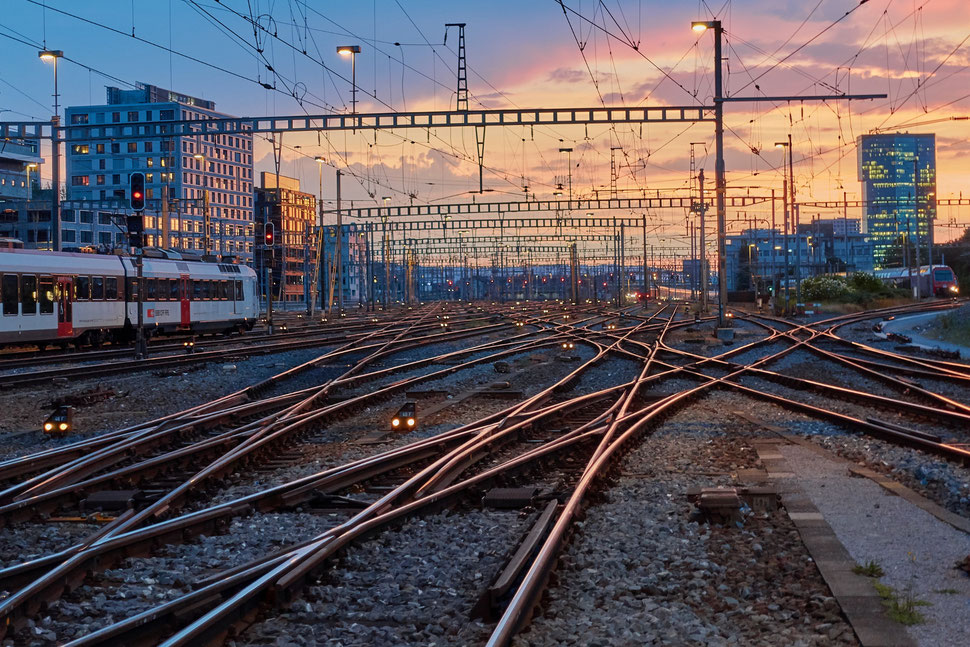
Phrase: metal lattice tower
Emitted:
{"points": [[614, 175], [462, 69]]}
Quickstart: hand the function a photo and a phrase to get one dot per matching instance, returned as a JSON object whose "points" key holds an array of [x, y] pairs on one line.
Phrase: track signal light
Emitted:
{"points": [[269, 234], [136, 195], [61, 421]]}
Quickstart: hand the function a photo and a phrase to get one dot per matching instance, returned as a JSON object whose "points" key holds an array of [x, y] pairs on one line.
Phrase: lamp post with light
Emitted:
{"points": [[790, 215], [719, 179], [352, 51], [51, 55]]}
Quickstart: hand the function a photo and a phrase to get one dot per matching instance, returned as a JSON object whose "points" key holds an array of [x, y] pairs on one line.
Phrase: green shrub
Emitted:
{"points": [[865, 282], [824, 288]]}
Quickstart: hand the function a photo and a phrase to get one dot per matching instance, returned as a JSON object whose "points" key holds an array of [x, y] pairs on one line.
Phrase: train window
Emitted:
{"points": [[11, 293], [97, 288], [28, 295], [111, 288], [196, 290], [46, 294], [207, 290], [151, 289], [223, 290], [173, 289], [239, 290], [83, 286]]}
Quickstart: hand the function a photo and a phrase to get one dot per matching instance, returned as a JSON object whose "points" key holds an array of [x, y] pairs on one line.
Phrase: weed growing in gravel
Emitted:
{"points": [[946, 591], [870, 569], [901, 607]]}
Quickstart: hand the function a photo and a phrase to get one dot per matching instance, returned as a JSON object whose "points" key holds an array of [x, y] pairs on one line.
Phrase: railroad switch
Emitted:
{"points": [[112, 500], [510, 497], [718, 505], [60, 422], [724, 505]]}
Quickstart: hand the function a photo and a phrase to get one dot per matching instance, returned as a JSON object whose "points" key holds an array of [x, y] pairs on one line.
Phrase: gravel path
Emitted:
{"points": [[641, 570], [916, 551], [415, 586]]}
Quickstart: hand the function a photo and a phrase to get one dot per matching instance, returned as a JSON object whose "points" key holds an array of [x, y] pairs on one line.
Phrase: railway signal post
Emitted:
{"points": [[136, 240], [269, 240]]}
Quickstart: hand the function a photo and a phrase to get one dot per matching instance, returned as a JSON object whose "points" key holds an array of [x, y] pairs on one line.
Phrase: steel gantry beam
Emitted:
{"points": [[522, 206], [479, 251], [496, 224], [362, 121], [510, 239], [839, 204]]}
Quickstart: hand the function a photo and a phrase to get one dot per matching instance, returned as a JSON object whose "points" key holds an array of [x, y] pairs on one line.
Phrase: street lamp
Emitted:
{"points": [[699, 27], [791, 213], [352, 51], [51, 56]]}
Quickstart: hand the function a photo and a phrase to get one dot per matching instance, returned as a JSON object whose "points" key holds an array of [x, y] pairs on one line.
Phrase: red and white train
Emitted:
{"points": [[938, 280], [59, 298]]}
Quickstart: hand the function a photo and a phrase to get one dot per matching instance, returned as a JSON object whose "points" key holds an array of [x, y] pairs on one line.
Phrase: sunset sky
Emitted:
{"points": [[530, 54]]}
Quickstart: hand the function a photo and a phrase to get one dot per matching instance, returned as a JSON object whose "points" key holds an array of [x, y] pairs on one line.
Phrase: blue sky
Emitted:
{"points": [[524, 54]]}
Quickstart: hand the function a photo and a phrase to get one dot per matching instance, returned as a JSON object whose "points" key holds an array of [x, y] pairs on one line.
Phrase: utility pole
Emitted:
{"points": [[719, 172], [784, 191], [646, 272], [773, 253], [702, 244], [338, 256], [318, 228], [845, 230]]}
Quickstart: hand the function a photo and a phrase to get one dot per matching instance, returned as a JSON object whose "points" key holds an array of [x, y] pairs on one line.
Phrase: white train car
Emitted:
{"points": [[194, 296], [50, 297]]}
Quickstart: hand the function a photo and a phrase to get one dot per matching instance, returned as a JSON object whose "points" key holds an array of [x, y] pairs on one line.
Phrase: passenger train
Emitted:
{"points": [[938, 280], [59, 298]]}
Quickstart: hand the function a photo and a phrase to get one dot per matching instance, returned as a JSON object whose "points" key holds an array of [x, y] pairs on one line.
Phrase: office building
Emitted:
{"points": [[25, 209], [898, 175], [293, 214], [757, 256], [191, 180], [354, 259]]}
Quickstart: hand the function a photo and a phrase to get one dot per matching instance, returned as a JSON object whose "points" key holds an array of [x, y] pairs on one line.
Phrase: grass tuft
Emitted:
{"points": [[901, 607], [870, 569]]}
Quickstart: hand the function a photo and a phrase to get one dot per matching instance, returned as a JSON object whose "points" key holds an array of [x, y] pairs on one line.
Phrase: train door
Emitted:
{"points": [[185, 291], [65, 306]]}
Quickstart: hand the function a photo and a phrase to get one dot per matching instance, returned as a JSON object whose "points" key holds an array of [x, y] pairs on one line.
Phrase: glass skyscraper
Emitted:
{"points": [[898, 175]]}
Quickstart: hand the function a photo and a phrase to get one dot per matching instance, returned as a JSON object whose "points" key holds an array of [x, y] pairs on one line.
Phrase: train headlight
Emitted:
{"points": [[410, 422], [48, 426], [62, 426], [395, 423], [954, 288]]}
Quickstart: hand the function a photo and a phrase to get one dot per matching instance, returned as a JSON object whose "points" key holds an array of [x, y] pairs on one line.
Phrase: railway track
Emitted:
{"points": [[111, 362], [509, 447]]}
